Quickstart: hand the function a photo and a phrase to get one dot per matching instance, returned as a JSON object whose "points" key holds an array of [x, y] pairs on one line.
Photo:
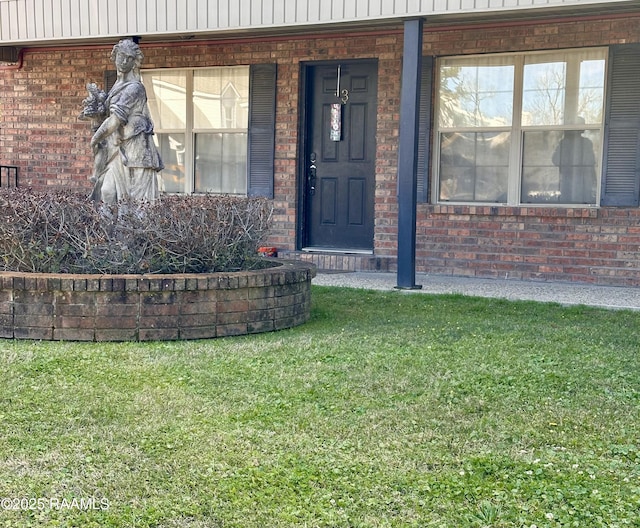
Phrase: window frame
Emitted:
{"points": [[516, 129], [190, 131]]}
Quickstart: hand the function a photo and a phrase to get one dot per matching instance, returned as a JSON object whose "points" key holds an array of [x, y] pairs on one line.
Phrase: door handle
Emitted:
{"points": [[312, 180], [311, 175]]}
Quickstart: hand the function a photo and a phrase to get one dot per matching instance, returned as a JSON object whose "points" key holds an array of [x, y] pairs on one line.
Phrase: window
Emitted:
{"points": [[520, 128], [201, 120]]}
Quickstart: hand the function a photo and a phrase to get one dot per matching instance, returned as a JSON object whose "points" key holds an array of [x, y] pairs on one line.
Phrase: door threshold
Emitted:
{"points": [[337, 251]]}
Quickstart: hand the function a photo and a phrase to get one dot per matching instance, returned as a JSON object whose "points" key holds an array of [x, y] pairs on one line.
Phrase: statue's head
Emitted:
{"points": [[130, 48]]}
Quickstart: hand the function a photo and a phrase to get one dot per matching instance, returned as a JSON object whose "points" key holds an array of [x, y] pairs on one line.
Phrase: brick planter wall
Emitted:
{"points": [[154, 307]]}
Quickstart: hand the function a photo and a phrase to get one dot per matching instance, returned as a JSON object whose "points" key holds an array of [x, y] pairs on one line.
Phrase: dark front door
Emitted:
{"points": [[339, 167]]}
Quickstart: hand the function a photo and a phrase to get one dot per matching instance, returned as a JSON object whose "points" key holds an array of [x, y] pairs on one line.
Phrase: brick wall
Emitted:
{"points": [[40, 132], [39, 105], [153, 307], [600, 246], [591, 245]]}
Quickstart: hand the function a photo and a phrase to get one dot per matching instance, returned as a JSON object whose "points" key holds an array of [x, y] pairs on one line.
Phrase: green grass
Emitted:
{"points": [[386, 409]]}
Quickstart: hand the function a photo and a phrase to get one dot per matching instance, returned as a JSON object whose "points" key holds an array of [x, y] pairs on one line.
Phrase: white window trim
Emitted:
{"points": [[514, 181], [189, 130]]}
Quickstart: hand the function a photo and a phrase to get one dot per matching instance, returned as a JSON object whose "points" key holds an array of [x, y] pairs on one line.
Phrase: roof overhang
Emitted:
{"points": [[437, 21]]}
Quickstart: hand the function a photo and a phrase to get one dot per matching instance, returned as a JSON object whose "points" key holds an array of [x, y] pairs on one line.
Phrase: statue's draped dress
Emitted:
{"points": [[130, 159]]}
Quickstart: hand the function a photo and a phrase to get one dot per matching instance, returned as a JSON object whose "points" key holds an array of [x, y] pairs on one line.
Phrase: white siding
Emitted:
{"points": [[29, 21]]}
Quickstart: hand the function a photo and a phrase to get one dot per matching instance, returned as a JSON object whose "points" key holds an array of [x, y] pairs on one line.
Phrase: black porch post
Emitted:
{"points": [[408, 153]]}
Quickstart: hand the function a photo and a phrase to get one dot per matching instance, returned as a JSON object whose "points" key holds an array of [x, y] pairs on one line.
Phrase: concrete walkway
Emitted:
{"points": [[611, 297]]}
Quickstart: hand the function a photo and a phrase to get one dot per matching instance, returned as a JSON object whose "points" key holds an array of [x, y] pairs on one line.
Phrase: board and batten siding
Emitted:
{"points": [[32, 21]]}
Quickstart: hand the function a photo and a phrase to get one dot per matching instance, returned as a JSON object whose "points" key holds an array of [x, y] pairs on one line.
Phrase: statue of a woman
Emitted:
{"points": [[127, 160]]}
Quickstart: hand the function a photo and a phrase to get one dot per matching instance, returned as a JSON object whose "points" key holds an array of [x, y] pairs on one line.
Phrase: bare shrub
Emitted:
{"points": [[64, 232]]}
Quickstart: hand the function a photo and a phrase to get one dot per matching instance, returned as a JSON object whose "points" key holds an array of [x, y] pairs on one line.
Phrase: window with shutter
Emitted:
{"points": [[214, 127]]}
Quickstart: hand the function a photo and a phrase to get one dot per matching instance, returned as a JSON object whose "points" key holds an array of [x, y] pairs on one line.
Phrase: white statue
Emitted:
{"points": [[126, 158]]}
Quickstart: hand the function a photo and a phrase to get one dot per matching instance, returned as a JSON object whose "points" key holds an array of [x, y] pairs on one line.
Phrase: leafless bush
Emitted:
{"points": [[65, 232]]}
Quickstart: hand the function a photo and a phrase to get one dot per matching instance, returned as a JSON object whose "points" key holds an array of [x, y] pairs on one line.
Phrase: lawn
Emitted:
{"points": [[386, 409]]}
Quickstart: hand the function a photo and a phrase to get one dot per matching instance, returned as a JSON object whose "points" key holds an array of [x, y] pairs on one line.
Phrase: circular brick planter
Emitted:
{"points": [[154, 307]]}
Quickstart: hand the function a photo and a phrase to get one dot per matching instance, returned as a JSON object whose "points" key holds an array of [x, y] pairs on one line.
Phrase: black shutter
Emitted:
{"points": [[621, 176], [262, 121], [110, 78], [424, 129], [9, 54]]}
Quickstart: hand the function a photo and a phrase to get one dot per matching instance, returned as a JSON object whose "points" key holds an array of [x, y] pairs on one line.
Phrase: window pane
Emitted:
{"points": [[560, 167], [563, 88], [474, 166], [221, 163], [172, 151], [221, 98], [166, 93], [476, 95]]}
